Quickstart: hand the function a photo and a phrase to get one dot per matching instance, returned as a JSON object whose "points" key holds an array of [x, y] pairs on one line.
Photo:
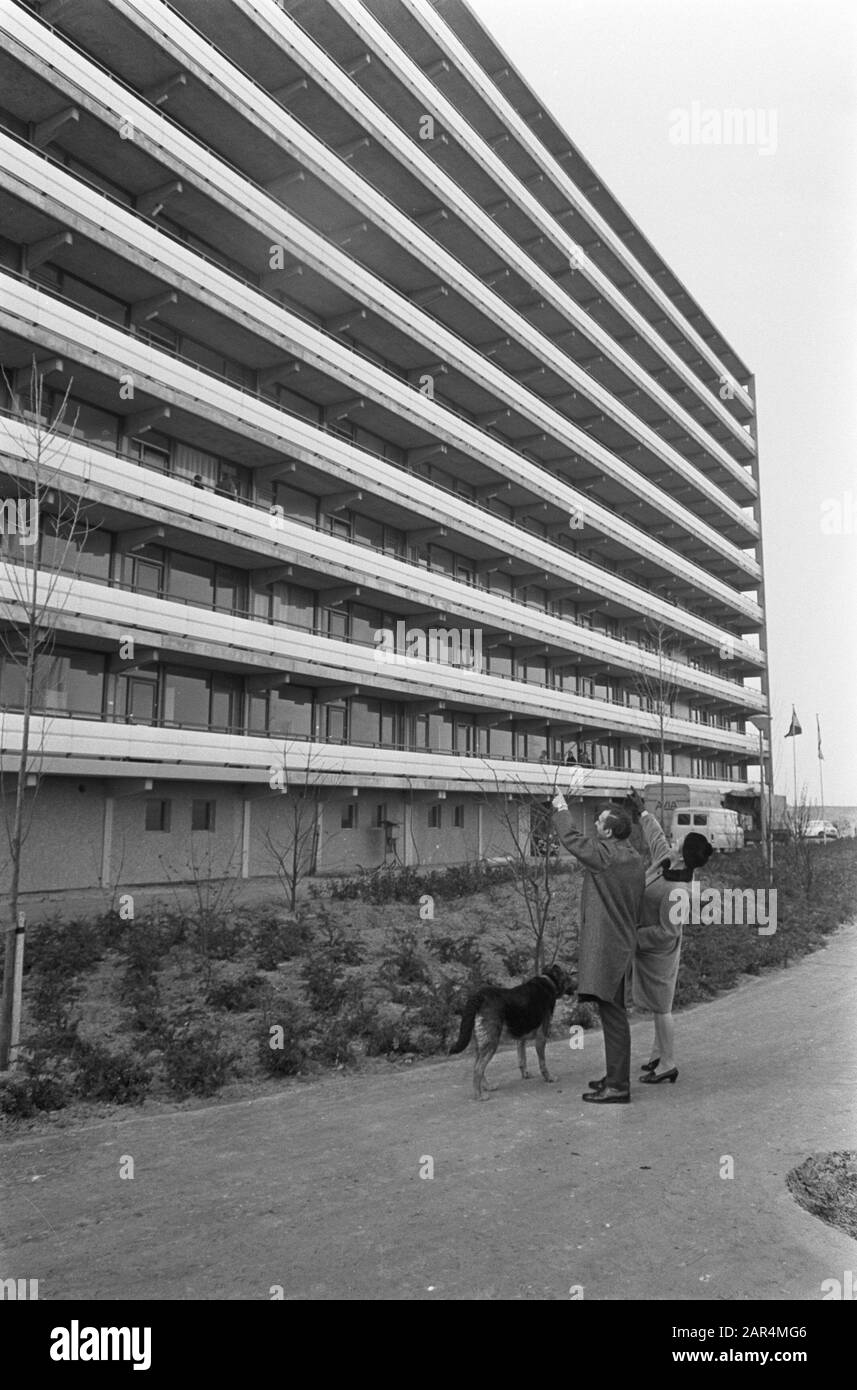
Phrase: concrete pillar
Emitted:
{"points": [[245, 837], [107, 841]]}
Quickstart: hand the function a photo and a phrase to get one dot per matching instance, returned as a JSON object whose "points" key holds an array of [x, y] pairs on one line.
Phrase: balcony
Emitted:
{"points": [[208, 176], [106, 615], [250, 529], [130, 751], [204, 406]]}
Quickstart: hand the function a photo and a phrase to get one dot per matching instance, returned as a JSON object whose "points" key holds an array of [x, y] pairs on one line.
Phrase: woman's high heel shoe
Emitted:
{"points": [[650, 1066], [653, 1079]]}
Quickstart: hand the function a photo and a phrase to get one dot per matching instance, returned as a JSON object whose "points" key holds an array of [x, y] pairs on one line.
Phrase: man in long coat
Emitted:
{"points": [[610, 911]]}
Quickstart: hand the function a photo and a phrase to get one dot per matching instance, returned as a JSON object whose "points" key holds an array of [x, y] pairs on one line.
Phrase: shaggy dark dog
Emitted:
{"points": [[525, 1012]]}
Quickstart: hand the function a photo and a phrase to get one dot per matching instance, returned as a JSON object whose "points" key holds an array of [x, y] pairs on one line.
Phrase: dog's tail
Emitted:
{"points": [[468, 1018]]}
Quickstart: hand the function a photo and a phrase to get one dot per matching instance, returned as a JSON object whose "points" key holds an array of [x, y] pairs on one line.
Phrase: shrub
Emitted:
{"points": [[277, 938], [23, 1096], [333, 1042], [115, 1076], [238, 995], [287, 1059], [405, 961], [408, 884], [139, 988], [67, 949], [216, 935], [325, 972], [195, 1060]]}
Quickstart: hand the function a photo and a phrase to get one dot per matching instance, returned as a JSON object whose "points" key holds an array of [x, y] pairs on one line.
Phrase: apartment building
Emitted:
{"points": [[401, 469]]}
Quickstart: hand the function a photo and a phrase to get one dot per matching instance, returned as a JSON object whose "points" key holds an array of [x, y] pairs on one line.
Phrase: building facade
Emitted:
{"points": [[395, 466]]}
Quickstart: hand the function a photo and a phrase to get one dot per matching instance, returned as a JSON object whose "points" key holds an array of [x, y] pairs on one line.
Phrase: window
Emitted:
{"points": [[299, 405], [348, 819], [368, 530], [336, 622], [145, 571], [435, 816], [683, 819], [192, 579], [202, 815], [290, 712], [700, 820], [158, 815], [137, 699], [394, 541], [73, 682], [381, 814], [458, 817], [229, 589], [62, 682], [186, 698], [225, 703], [337, 721], [296, 505]]}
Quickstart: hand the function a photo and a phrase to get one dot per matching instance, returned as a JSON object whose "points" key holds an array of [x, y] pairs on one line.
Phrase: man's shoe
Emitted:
{"points": [[608, 1095], [598, 1085]]}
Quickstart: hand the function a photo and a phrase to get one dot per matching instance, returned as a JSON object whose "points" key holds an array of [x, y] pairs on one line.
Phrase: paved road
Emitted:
{"points": [[317, 1189]]}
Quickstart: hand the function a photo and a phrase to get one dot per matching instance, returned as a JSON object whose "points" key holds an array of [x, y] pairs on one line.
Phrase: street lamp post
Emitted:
{"points": [[763, 724]]}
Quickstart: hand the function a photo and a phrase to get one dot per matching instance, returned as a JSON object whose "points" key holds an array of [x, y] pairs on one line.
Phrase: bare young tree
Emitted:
{"points": [[658, 691], [43, 530], [800, 851], [295, 855], [526, 816]]}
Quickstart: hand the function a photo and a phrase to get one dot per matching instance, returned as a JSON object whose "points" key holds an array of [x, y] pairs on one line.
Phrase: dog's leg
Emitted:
{"points": [[540, 1052], [486, 1046], [522, 1058], [480, 1086]]}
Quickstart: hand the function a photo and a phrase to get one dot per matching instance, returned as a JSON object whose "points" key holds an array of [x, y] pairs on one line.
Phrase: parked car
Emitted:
{"points": [[821, 830], [723, 829]]}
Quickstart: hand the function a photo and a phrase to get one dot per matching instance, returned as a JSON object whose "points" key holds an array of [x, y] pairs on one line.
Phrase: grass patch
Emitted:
{"points": [[826, 1185]]}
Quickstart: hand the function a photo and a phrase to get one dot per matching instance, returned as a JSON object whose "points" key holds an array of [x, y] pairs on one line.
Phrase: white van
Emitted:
{"points": [[722, 829]]}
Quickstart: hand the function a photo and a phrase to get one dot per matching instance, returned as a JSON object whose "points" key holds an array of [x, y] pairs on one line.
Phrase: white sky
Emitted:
{"points": [[766, 244]]}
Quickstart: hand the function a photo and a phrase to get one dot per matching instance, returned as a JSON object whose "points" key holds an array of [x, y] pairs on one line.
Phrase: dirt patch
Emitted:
{"points": [[826, 1185]]}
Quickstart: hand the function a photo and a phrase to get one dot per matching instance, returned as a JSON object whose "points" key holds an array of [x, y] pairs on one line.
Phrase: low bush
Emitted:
{"points": [[277, 938], [282, 1043], [23, 1096], [66, 948], [236, 996], [409, 884], [195, 1060], [120, 1077], [216, 935]]}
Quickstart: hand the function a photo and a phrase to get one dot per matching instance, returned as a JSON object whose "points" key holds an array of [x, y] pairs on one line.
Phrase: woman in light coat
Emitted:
{"points": [[658, 951]]}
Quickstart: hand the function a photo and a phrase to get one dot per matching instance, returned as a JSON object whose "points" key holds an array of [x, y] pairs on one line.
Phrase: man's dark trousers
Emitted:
{"points": [[617, 1039]]}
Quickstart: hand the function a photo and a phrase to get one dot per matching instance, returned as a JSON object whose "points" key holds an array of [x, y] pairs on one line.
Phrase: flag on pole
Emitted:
{"points": [[794, 727], [820, 754]]}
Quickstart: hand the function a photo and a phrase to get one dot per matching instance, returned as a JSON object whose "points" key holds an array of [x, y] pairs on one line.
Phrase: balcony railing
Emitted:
{"points": [[237, 729], [320, 528], [326, 427]]}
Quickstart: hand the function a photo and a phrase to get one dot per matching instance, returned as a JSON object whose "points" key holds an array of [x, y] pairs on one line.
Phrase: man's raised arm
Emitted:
{"points": [[589, 850]]}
